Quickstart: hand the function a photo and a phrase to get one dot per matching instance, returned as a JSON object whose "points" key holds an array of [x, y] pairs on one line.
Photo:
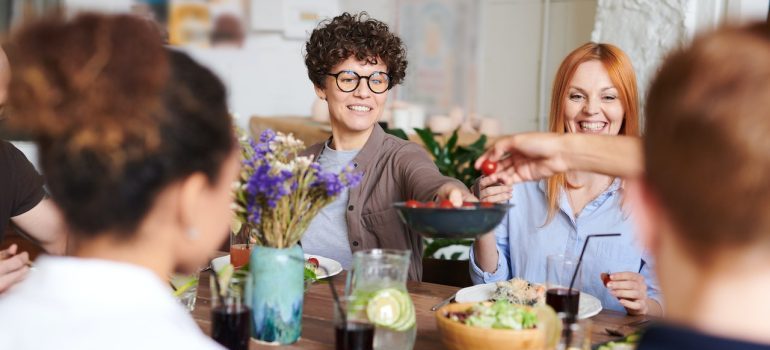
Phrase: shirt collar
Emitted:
{"points": [[371, 148], [616, 185], [565, 207]]}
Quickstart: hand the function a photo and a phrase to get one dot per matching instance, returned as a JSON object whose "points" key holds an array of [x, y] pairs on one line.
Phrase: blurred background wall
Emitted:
{"points": [[493, 58]]}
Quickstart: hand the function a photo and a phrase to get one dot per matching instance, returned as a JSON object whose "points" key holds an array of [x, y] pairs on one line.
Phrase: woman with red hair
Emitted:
{"points": [[594, 93]]}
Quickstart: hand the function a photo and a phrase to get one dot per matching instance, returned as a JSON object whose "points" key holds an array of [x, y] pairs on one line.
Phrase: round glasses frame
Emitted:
{"points": [[358, 80]]}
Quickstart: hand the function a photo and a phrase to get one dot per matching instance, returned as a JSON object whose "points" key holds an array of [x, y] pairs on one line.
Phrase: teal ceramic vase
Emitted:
{"points": [[277, 275]]}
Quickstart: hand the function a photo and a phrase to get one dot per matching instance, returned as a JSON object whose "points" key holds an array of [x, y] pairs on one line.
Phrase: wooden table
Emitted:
{"points": [[318, 333]]}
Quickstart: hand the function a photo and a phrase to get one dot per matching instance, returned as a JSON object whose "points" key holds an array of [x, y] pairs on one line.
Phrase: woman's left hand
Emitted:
{"points": [[631, 290]]}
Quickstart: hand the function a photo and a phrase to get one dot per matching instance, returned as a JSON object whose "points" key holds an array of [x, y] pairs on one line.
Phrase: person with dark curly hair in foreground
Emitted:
{"points": [[139, 154], [353, 61]]}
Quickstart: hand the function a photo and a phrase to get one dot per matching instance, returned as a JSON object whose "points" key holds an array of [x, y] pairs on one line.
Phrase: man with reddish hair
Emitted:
{"points": [[698, 181]]}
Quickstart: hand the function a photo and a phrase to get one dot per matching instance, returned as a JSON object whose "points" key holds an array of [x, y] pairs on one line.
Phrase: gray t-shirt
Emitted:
{"points": [[327, 234]]}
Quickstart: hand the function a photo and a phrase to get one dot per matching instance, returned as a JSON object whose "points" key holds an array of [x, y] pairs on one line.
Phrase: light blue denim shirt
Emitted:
{"points": [[523, 243]]}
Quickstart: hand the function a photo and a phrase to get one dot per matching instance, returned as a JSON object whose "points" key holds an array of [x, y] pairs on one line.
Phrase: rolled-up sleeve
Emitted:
{"points": [[503, 271], [648, 272]]}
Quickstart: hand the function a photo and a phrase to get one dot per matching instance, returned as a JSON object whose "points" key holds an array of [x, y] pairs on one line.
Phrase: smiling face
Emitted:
{"points": [[592, 104], [353, 113]]}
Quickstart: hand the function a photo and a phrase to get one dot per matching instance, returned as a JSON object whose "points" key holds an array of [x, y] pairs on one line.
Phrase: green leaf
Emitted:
{"points": [[398, 133], [450, 145], [439, 243], [455, 256], [426, 135], [310, 275], [466, 158], [444, 158]]}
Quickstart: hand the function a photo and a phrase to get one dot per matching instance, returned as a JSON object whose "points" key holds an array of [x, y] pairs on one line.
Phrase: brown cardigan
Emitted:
{"points": [[394, 170]]}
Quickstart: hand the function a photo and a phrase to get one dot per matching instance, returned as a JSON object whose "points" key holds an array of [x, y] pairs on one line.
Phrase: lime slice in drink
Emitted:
{"points": [[385, 307], [235, 226], [223, 277], [407, 319], [182, 283], [547, 318]]}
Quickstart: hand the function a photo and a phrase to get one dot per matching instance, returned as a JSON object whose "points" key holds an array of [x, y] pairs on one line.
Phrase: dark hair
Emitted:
{"points": [[707, 140], [353, 35], [117, 117]]}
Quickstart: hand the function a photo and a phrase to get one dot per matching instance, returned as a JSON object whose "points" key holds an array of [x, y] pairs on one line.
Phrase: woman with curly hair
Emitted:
{"points": [[137, 146], [353, 61]]}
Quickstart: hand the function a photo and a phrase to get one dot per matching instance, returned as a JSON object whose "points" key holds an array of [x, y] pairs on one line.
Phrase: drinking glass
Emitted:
{"points": [[231, 310], [352, 329], [559, 272], [240, 246], [185, 288], [576, 334]]}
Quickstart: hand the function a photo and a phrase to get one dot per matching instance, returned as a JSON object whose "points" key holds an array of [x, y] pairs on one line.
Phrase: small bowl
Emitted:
{"points": [[463, 222], [458, 336]]}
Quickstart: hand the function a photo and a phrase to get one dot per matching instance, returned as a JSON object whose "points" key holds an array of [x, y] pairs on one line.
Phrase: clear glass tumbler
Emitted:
{"points": [[185, 288]]}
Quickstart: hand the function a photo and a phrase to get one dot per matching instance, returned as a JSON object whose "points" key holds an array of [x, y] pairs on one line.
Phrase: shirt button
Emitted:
{"points": [[355, 243], [350, 208]]}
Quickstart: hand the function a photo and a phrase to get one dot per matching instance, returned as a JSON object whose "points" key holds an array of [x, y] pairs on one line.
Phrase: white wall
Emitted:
{"points": [[266, 77], [647, 29], [516, 37], [744, 11], [113, 6]]}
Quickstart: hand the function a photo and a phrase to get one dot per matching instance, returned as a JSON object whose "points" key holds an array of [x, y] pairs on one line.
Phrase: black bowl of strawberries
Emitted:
{"points": [[442, 220]]}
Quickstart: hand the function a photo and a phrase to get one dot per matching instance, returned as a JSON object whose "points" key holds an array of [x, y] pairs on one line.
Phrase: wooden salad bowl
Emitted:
{"points": [[458, 336]]}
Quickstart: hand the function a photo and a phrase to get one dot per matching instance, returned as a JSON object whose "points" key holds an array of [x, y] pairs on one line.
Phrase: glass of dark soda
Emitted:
{"points": [[560, 270], [231, 310], [352, 329]]}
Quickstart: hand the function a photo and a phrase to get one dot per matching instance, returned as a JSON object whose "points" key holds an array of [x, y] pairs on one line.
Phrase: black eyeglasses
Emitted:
{"points": [[348, 80]]}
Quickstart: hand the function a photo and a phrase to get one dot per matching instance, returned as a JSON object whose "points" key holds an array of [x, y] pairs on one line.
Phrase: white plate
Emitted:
{"points": [[589, 304], [331, 265]]}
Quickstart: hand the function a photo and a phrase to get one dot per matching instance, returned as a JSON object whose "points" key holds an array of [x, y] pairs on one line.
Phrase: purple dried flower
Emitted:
{"points": [[330, 182], [266, 186], [267, 136], [271, 188], [352, 178]]}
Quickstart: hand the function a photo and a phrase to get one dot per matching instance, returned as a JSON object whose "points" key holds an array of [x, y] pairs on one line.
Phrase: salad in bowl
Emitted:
{"points": [[497, 325]]}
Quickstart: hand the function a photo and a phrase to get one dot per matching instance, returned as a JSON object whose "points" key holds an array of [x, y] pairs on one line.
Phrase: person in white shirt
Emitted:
{"points": [[137, 146]]}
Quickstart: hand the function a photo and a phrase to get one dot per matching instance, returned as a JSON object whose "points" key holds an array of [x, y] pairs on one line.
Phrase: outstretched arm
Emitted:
{"points": [[534, 156]]}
